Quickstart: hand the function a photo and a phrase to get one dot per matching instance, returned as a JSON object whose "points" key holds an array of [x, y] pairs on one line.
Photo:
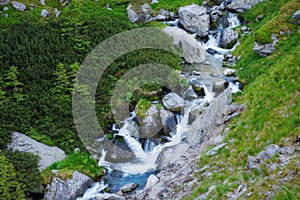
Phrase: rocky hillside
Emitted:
{"points": [[255, 154]]}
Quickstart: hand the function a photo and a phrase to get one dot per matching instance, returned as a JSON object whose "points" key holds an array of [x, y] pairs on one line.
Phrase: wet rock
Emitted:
{"points": [[211, 51], [230, 72], [68, 189], [189, 94], [48, 155], [265, 49], [228, 38], [168, 120], [192, 51], [242, 6], [4, 2], [173, 102], [128, 187], [18, 6], [143, 15], [296, 18], [44, 13], [224, 23], [195, 19]]}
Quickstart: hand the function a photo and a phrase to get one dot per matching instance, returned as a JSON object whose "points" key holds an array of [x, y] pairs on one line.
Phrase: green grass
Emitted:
{"points": [[79, 161], [272, 116]]}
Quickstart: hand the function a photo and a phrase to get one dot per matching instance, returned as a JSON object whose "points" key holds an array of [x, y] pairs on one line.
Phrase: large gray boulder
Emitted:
{"points": [[192, 51], [68, 189], [109, 196], [264, 50], [173, 102], [228, 38], [242, 6], [151, 123], [4, 2], [195, 19], [48, 155], [214, 116], [18, 6]]}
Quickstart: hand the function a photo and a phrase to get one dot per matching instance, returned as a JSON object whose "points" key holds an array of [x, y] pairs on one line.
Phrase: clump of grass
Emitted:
{"points": [[80, 161]]}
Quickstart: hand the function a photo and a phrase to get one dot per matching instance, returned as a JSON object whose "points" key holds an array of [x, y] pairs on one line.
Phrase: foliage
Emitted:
{"points": [[10, 187], [26, 168]]}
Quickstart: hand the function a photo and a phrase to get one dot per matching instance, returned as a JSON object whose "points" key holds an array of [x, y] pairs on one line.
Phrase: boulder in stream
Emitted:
{"points": [[68, 189], [195, 19], [228, 38], [192, 51], [173, 102]]}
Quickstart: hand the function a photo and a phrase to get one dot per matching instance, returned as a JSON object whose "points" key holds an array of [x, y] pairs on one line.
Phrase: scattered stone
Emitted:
{"points": [[242, 6], [244, 28], [154, 1], [4, 2], [68, 189], [31, 6], [228, 38], [259, 17], [5, 15], [195, 19], [144, 15], [230, 72], [128, 187], [42, 2], [173, 102], [5, 8], [212, 188], [44, 13], [296, 18], [215, 150], [192, 51], [18, 6], [204, 168], [265, 49], [48, 155], [57, 12]]}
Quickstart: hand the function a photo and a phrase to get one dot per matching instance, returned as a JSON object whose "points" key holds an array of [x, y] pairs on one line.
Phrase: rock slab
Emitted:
{"points": [[48, 155]]}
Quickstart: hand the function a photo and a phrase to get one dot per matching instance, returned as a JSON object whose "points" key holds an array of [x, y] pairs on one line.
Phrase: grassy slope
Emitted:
{"points": [[273, 113]]}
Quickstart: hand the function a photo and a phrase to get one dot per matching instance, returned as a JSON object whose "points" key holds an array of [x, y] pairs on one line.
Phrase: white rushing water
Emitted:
{"points": [[94, 191]]}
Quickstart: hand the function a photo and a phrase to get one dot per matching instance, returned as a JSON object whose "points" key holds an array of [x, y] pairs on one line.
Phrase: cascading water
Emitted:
{"points": [[146, 155]]}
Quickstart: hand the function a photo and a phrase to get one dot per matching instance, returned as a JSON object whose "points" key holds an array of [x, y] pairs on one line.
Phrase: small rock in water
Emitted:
{"points": [[129, 187], [189, 94], [230, 72], [173, 102], [211, 51]]}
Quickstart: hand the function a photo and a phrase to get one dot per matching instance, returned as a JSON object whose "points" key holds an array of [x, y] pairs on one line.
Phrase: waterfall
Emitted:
{"points": [[149, 145], [95, 190], [233, 20], [209, 95], [213, 40], [127, 131]]}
